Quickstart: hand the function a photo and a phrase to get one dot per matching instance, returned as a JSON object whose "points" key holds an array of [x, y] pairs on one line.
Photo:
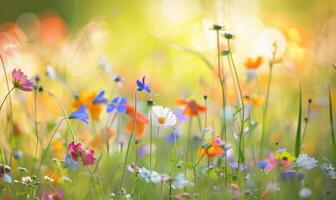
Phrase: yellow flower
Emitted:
{"points": [[284, 155], [255, 100]]}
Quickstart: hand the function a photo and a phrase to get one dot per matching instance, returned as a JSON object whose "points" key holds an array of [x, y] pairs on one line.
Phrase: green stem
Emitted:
{"points": [[36, 130], [64, 113], [240, 153], [7, 85], [221, 81], [157, 148], [7, 95], [130, 138], [264, 118], [188, 143], [49, 143], [150, 139], [332, 130]]}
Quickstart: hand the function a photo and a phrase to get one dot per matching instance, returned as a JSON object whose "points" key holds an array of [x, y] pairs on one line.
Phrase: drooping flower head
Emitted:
{"points": [[20, 81], [191, 108], [100, 99], [142, 86], [253, 63], [140, 121], [80, 114], [118, 104], [162, 117], [78, 153]]}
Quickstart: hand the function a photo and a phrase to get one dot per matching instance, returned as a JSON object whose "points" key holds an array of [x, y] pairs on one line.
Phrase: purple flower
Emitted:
{"points": [[80, 114], [119, 104], [142, 86], [172, 137], [235, 165], [100, 99]]}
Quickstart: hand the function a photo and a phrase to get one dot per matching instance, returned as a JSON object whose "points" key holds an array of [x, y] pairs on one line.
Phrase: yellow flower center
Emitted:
{"points": [[161, 120]]}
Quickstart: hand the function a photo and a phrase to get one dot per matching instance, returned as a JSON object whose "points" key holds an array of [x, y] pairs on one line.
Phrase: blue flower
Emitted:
{"points": [[100, 99], [69, 163], [142, 86], [172, 137], [119, 104], [7, 178], [80, 114], [262, 164]]}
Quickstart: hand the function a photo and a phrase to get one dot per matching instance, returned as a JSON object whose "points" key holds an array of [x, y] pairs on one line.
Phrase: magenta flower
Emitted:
{"points": [[21, 81], [88, 158], [78, 153]]}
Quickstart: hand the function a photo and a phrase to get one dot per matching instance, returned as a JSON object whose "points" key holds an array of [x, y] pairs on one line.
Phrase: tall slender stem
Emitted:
{"points": [[64, 113], [221, 81], [36, 130], [240, 153], [7, 95], [264, 118], [188, 143], [130, 138], [49, 143], [157, 148], [7, 84], [150, 139]]}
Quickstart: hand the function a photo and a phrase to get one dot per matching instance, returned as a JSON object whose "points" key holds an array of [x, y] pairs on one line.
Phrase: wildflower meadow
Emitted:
{"points": [[168, 99]]}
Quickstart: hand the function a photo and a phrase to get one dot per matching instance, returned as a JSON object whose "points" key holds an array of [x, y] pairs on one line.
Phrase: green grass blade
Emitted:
{"points": [[332, 125], [298, 130]]}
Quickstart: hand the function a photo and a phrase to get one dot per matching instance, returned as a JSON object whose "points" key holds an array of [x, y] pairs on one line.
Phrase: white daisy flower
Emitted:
{"points": [[163, 117], [305, 161]]}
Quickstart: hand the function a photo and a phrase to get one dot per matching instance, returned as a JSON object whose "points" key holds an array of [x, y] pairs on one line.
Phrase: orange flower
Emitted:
{"points": [[140, 121], [57, 148], [55, 175], [98, 141], [93, 108], [214, 148], [191, 108], [255, 100], [251, 63]]}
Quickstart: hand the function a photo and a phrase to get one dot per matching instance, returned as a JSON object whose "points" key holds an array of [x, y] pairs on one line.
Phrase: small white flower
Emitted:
{"points": [[305, 161], [47, 178], [305, 192], [163, 117], [51, 72], [155, 177], [181, 182]]}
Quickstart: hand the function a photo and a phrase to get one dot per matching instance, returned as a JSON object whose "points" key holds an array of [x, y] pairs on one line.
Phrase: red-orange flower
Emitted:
{"points": [[87, 99], [140, 121], [255, 63], [214, 148], [191, 108]]}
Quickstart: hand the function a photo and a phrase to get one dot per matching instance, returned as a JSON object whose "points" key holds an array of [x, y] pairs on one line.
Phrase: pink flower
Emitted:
{"points": [[75, 150], [271, 162], [57, 195], [21, 81], [89, 157], [79, 154]]}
